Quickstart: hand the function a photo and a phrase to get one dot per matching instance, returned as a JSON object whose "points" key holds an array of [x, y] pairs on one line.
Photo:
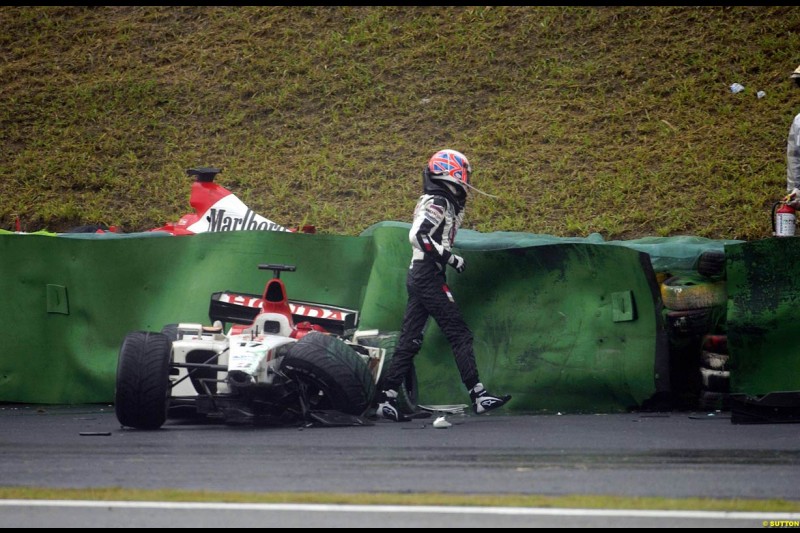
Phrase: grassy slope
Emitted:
{"points": [[614, 120]]}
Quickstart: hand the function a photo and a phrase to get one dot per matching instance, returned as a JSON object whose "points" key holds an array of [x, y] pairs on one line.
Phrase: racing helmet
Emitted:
{"points": [[451, 167]]}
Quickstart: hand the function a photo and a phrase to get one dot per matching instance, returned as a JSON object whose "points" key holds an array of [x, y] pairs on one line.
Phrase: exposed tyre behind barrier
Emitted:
{"points": [[716, 380], [711, 264], [687, 292], [689, 322], [714, 361], [716, 343], [714, 401]]}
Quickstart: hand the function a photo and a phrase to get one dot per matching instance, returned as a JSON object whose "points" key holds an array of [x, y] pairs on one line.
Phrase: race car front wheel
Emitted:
{"points": [[333, 375], [142, 389]]}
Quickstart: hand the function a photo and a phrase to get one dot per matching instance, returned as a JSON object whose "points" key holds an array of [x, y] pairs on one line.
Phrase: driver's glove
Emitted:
{"points": [[457, 262]]}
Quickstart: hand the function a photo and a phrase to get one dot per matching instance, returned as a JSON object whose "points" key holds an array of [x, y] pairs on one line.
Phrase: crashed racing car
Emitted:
{"points": [[280, 361]]}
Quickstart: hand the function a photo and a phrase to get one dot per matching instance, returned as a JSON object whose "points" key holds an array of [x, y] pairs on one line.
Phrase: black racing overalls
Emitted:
{"points": [[432, 234]]}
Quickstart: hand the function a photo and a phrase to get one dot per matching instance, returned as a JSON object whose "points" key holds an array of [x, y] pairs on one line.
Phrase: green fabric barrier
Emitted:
{"points": [[69, 302], [566, 326], [543, 318], [667, 254], [763, 309]]}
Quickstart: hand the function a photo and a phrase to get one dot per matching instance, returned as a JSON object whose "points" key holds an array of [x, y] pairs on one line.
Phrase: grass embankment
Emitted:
{"points": [[617, 120]]}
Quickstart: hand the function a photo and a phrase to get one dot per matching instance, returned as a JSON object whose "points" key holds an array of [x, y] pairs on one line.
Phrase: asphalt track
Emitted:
{"points": [[673, 455]]}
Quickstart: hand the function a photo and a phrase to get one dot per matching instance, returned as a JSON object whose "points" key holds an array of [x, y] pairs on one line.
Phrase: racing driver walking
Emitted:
{"points": [[437, 217]]}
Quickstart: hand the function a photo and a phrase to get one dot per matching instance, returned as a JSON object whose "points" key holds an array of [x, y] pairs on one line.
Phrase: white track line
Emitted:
{"points": [[433, 509]]}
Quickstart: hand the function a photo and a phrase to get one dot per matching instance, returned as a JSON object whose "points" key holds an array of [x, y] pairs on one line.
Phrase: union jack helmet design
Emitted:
{"points": [[450, 166]]}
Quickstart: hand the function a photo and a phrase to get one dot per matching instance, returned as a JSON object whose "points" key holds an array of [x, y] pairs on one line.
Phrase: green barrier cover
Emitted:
{"points": [[667, 254], [70, 302], [565, 326], [562, 327], [763, 308]]}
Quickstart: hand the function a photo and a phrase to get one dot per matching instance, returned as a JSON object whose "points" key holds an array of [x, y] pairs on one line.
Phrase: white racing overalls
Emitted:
{"points": [[793, 156]]}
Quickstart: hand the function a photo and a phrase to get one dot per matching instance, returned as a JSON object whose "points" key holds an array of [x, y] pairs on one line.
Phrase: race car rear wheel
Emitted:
{"points": [[142, 388], [171, 331], [334, 376]]}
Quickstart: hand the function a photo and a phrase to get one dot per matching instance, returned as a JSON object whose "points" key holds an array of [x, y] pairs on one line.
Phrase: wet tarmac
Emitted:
{"points": [[676, 454]]}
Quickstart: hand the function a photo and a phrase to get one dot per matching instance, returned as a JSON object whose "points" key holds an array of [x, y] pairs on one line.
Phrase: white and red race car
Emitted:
{"points": [[281, 361], [218, 209], [215, 209]]}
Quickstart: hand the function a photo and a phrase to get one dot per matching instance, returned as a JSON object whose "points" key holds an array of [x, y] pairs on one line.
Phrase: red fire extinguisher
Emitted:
{"points": [[783, 219]]}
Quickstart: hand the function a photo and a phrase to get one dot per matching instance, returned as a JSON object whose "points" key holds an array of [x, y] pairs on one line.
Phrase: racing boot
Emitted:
{"points": [[482, 401], [389, 408]]}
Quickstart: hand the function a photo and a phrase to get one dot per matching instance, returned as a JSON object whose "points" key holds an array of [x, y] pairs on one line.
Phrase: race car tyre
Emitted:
{"points": [[142, 388], [716, 380], [711, 263], [662, 276], [714, 361], [716, 343], [171, 331], [689, 323], [408, 393], [714, 401], [336, 376], [680, 293]]}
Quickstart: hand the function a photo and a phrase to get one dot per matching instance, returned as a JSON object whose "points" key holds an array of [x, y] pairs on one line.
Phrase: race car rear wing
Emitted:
{"points": [[242, 308]]}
